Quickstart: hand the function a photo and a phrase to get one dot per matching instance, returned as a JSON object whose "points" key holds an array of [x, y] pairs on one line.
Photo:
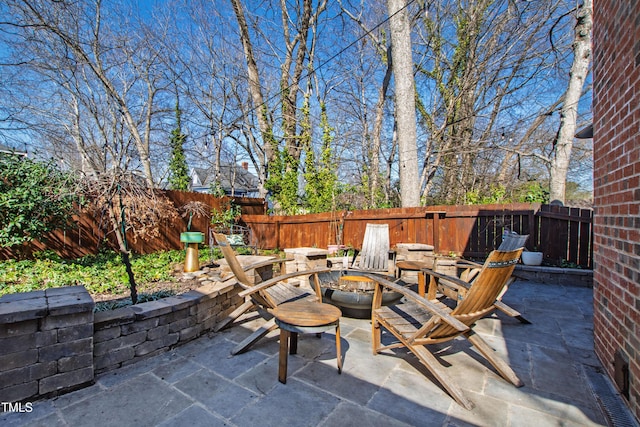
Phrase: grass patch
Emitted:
{"points": [[103, 273]]}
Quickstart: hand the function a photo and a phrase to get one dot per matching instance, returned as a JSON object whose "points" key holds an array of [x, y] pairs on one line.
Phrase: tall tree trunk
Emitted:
{"points": [[87, 165], [119, 229], [290, 79], [255, 89], [569, 112], [405, 107], [377, 130]]}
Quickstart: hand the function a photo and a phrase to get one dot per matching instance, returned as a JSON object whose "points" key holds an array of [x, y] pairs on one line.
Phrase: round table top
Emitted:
{"points": [[307, 313]]}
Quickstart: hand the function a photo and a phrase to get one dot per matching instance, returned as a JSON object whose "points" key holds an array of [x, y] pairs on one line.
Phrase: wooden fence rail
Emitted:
{"points": [[563, 234]]}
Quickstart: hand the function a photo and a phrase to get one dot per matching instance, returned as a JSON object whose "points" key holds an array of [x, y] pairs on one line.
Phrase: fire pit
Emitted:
{"points": [[352, 293]]}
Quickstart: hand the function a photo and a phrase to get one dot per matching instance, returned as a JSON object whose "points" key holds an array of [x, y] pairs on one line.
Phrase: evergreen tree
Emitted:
{"points": [[178, 171]]}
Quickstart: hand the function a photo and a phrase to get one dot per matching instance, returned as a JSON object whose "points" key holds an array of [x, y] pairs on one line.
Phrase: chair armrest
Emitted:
{"points": [[415, 297], [451, 281], [266, 263], [471, 269], [271, 282], [468, 264]]}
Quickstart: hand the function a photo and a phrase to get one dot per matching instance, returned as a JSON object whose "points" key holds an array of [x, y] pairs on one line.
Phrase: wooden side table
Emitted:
{"points": [[305, 317]]}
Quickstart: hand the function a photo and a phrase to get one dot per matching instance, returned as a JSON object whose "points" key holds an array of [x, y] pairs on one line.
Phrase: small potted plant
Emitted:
{"points": [[225, 217], [532, 257]]}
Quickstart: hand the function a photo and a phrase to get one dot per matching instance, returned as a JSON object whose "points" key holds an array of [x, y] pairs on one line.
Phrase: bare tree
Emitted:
{"points": [[255, 89], [372, 135], [95, 109], [117, 65], [297, 20], [205, 64], [489, 84], [95, 84], [569, 112]]}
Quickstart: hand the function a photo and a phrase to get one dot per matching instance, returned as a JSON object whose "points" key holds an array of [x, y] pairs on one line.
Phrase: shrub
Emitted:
{"points": [[35, 198]]}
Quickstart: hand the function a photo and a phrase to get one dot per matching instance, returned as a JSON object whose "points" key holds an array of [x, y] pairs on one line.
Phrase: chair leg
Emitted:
{"points": [[438, 371], [254, 337], [375, 335], [509, 311], [338, 349], [422, 285], [500, 365], [293, 343], [522, 319], [283, 356], [246, 306]]}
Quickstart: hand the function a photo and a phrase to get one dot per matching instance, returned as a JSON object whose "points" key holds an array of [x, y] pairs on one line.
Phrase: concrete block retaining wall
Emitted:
{"points": [[52, 342], [128, 334], [46, 342]]}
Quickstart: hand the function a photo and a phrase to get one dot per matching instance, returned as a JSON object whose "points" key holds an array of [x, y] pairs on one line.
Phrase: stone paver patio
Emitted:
{"points": [[200, 384]]}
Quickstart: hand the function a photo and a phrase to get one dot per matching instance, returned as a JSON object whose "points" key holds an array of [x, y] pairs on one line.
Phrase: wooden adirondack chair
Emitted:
{"points": [[419, 322], [471, 269], [375, 254], [266, 295]]}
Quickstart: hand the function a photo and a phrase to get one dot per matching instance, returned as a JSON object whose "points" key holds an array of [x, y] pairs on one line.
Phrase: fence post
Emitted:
{"points": [[533, 232]]}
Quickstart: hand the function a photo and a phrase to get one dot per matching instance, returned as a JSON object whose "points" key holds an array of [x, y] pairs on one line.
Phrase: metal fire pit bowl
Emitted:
{"points": [[353, 294]]}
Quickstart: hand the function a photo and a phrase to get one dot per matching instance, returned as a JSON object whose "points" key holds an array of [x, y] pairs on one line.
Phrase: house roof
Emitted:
{"points": [[11, 150], [243, 180], [585, 133]]}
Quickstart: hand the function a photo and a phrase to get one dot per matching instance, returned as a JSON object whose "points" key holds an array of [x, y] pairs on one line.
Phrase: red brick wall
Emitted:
{"points": [[616, 111]]}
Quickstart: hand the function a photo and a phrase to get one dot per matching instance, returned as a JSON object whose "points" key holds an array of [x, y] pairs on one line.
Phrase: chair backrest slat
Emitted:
{"points": [[375, 248], [495, 272], [234, 264], [511, 241]]}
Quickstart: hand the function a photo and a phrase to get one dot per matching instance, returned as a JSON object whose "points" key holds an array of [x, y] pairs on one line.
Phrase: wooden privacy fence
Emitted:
{"points": [[89, 233], [563, 234]]}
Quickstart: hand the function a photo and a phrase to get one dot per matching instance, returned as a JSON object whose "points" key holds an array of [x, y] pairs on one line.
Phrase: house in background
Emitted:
{"points": [[8, 150], [236, 180]]}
